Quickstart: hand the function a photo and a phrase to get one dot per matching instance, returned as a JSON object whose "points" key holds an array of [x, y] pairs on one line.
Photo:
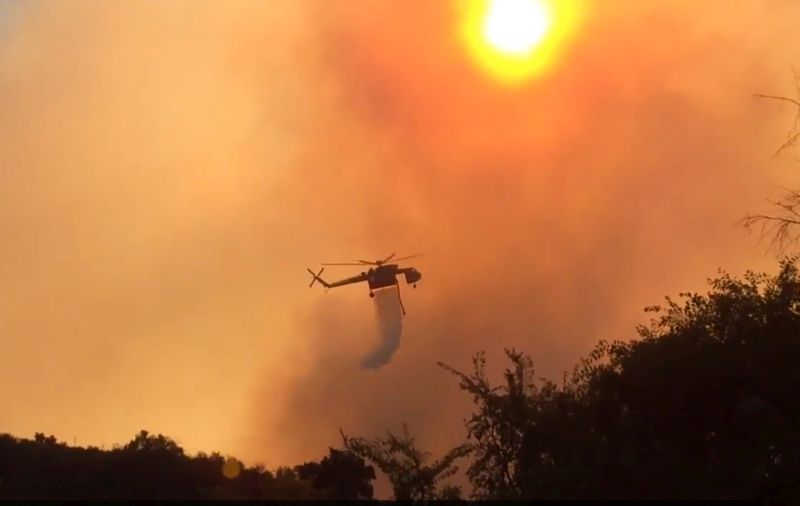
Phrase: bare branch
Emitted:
{"points": [[780, 229], [793, 136], [773, 97]]}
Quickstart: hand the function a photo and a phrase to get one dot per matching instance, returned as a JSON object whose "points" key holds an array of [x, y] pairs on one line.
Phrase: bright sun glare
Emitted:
{"points": [[515, 26], [515, 40]]}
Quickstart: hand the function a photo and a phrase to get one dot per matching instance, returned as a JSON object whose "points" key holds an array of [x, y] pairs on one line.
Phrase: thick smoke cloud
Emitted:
{"points": [[168, 171], [548, 215], [147, 258]]}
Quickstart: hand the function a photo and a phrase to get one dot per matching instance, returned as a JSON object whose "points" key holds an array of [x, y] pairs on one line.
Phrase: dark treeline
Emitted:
{"points": [[703, 404], [155, 467]]}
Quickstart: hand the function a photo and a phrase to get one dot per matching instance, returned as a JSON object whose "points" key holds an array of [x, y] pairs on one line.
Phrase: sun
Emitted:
{"points": [[515, 40], [515, 26]]}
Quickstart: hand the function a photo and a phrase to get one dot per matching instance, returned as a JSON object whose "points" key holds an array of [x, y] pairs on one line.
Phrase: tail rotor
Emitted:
{"points": [[315, 277]]}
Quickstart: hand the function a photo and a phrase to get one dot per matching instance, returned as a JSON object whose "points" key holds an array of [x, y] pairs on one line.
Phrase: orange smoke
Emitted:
{"points": [[170, 169]]}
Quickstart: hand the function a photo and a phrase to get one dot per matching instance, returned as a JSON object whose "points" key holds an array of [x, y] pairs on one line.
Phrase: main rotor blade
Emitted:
{"points": [[406, 258], [343, 263], [365, 262], [388, 258]]}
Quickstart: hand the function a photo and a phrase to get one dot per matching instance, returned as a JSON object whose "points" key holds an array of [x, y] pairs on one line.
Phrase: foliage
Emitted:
{"points": [[343, 473], [148, 467], [703, 405], [407, 468], [498, 425]]}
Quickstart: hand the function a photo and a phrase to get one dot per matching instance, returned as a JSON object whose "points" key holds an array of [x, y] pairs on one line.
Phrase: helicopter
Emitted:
{"points": [[381, 275]]}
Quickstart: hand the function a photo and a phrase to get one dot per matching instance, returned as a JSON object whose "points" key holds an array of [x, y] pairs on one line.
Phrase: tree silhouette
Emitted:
{"points": [[707, 393], [703, 405], [498, 426], [342, 474], [145, 442], [148, 467], [530, 440], [407, 467]]}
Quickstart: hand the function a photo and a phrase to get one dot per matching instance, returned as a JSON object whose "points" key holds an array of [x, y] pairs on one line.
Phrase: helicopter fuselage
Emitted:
{"points": [[386, 275]]}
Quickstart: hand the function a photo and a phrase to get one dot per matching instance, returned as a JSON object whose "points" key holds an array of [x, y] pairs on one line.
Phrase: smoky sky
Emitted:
{"points": [[168, 171]]}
